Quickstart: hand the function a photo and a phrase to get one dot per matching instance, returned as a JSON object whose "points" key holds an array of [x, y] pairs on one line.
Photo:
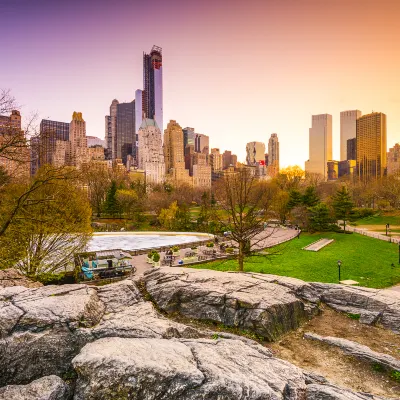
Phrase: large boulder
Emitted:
{"points": [[46, 388], [373, 305], [42, 329], [12, 277], [237, 300], [149, 369], [329, 392]]}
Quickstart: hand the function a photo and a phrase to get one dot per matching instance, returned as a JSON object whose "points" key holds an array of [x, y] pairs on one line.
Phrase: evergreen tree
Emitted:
{"points": [[310, 197], [295, 199], [111, 206], [319, 218], [342, 205]]}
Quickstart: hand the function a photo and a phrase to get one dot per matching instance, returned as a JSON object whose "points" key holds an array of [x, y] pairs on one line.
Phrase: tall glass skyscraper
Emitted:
{"points": [[153, 87]]}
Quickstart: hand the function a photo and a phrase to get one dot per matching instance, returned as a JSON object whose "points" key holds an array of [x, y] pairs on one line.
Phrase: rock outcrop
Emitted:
{"points": [[42, 329], [237, 300], [12, 277], [46, 388], [359, 351], [119, 345]]}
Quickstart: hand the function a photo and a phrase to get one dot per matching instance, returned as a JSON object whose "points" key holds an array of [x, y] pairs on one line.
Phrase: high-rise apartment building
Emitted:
{"points": [[393, 160], [255, 153], [151, 157], [201, 171], [201, 143], [153, 85], [273, 151], [228, 159], [174, 156], [320, 145], [215, 158], [371, 146], [352, 149], [348, 130]]}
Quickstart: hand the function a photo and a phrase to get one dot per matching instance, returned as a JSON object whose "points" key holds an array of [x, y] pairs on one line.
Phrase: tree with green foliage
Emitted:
{"points": [[342, 205], [111, 206], [295, 199], [319, 218], [310, 197]]}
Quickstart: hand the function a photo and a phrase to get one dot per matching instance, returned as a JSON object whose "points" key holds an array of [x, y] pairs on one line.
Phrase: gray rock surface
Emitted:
{"points": [[358, 351], [148, 369], [237, 300], [42, 329], [47, 388], [329, 392]]}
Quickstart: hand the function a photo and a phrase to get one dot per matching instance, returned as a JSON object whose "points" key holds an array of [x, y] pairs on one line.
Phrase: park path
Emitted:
{"points": [[372, 234]]}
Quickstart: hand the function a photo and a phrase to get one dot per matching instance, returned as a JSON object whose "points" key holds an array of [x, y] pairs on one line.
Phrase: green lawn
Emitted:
{"points": [[364, 259], [377, 223]]}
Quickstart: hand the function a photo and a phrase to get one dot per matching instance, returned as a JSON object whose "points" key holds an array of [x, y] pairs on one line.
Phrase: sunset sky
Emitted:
{"points": [[234, 70]]}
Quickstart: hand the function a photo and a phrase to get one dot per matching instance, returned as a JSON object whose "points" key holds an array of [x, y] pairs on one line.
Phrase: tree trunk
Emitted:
{"points": [[241, 257]]}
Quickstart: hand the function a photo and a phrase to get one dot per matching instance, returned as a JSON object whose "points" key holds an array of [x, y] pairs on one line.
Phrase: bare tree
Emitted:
{"points": [[243, 209]]}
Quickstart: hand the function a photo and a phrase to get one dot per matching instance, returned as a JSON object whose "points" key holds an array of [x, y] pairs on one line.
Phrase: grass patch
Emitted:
{"points": [[354, 316], [364, 259]]}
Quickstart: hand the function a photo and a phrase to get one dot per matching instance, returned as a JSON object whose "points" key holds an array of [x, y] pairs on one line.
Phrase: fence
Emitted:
{"points": [[374, 235]]}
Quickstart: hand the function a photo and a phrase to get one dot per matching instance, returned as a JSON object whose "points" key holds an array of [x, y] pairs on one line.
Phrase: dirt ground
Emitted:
{"points": [[330, 362]]}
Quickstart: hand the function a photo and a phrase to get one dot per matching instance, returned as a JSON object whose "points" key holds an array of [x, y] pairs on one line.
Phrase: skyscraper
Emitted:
{"points": [[371, 146], [320, 145], [151, 157], [126, 133], [255, 153], [352, 149], [348, 130], [273, 155], [153, 85], [174, 154]]}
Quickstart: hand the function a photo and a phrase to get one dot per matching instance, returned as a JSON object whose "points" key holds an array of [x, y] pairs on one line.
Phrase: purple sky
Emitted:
{"points": [[234, 70]]}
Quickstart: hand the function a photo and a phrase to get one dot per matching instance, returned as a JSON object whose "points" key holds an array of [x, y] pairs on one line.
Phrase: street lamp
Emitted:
{"points": [[387, 227], [339, 264]]}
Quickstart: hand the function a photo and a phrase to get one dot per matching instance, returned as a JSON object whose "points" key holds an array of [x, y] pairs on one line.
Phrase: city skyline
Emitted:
{"points": [[306, 70]]}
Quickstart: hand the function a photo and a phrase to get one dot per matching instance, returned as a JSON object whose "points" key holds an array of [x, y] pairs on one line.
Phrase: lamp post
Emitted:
{"points": [[339, 264], [387, 227]]}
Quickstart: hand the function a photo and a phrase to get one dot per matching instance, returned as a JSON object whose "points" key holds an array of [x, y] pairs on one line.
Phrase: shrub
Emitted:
{"points": [[175, 248], [210, 244], [193, 248], [51, 279], [156, 257], [354, 316], [229, 250], [395, 375]]}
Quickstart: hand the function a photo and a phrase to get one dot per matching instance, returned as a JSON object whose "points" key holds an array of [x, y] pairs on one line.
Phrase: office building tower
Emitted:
{"points": [[352, 149], [393, 160], [174, 156], [273, 151], [60, 129], [151, 157], [371, 146], [320, 145], [188, 136], [255, 153], [126, 133], [266, 158], [153, 85], [348, 130], [139, 97], [202, 143]]}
